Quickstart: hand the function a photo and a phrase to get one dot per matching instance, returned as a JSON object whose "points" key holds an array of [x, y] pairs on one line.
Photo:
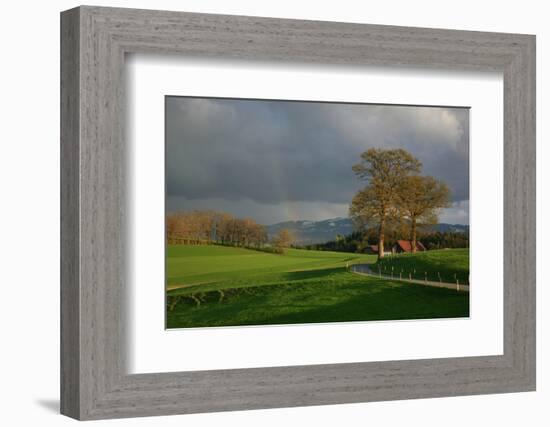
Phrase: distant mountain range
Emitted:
{"points": [[309, 232]]}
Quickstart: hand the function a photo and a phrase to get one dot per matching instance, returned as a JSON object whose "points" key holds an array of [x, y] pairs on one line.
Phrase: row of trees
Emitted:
{"points": [[360, 241], [208, 227], [442, 240], [395, 194], [204, 227]]}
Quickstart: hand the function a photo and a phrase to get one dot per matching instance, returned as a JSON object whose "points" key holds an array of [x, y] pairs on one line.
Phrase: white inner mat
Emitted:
{"points": [[151, 348]]}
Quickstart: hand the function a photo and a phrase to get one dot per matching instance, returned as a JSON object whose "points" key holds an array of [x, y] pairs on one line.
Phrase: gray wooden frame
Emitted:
{"points": [[94, 382]]}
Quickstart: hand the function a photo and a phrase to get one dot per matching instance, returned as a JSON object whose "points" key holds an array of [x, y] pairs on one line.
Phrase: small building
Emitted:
{"points": [[405, 246], [371, 249]]}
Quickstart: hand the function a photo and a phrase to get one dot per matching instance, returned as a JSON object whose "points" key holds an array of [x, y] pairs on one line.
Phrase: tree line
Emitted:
{"points": [[361, 241], [213, 227], [205, 227], [396, 195]]}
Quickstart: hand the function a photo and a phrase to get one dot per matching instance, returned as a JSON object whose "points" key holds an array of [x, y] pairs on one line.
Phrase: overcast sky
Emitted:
{"points": [[276, 161]]}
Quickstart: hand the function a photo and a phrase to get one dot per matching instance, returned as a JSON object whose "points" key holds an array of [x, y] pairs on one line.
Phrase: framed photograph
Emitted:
{"points": [[267, 224], [262, 213]]}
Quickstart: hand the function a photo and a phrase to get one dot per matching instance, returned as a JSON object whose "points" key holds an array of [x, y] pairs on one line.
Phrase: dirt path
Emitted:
{"points": [[364, 270]]}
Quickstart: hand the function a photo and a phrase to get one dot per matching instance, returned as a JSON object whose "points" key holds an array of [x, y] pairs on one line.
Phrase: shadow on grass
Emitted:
{"points": [[258, 281], [292, 276], [357, 299], [396, 303]]}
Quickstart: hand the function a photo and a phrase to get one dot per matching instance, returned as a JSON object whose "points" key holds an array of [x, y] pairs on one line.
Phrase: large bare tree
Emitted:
{"points": [[384, 171], [420, 199]]}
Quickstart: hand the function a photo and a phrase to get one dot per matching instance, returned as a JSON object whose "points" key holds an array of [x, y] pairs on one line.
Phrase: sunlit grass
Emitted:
{"points": [[449, 264], [224, 286]]}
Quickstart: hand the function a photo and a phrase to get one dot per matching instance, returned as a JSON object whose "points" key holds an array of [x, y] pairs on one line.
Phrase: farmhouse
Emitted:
{"points": [[406, 246]]}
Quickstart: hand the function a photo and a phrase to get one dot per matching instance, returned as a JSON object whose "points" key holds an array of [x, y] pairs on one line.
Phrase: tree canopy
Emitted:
{"points": [[419, 200], [395, 194], [384, 172]]}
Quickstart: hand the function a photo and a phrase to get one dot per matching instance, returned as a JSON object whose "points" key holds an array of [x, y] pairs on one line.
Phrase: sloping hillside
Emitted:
{"points": [[445, 263]]}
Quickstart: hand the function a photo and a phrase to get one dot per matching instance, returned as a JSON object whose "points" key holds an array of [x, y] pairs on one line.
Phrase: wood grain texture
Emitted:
{"points": [[70, 297], [94, 382]]}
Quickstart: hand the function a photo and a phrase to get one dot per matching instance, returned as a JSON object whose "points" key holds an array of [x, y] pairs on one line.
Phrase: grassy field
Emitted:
{"points": [[446, 262], [213, 267], [225, 286]]}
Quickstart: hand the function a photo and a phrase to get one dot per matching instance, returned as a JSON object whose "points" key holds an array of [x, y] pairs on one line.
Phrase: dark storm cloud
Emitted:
{"points": [[275, 152]]}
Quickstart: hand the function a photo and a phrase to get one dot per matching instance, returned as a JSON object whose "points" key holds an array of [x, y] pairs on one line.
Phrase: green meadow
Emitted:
{"points": [[449, 264], [213, 285]]}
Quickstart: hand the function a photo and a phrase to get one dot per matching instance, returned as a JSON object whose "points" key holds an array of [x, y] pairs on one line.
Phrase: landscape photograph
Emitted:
{"points": [[298, 212]]}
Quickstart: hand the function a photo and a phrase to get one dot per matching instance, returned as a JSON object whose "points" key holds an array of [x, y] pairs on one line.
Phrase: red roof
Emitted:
{"points": [[406, 245]]}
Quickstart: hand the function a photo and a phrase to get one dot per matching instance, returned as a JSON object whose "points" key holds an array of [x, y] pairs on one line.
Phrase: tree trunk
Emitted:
{"points": [[381, 238], [413, 235]]}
